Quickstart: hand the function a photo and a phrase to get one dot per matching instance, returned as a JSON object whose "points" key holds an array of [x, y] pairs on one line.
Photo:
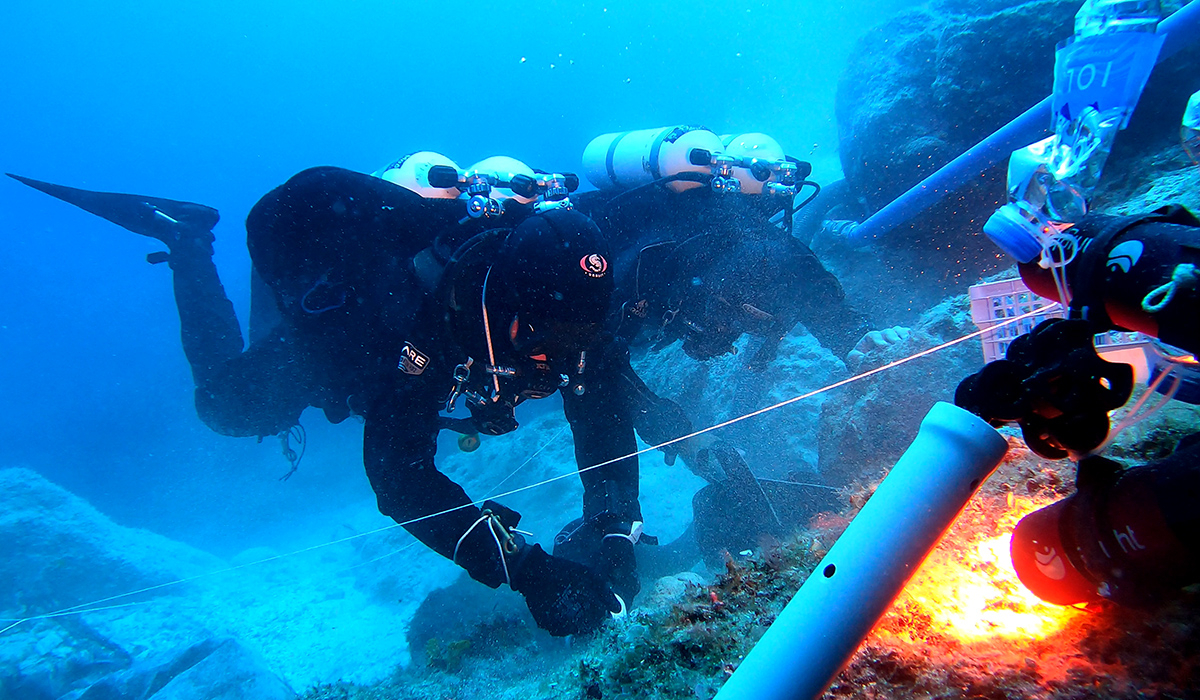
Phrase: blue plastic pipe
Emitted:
{"points": [[860, 576], [1181, 28]]}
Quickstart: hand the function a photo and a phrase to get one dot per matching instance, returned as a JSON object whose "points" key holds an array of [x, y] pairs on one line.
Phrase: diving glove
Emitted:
{"points": [[657, 421], [564, 597], [606, 550]]}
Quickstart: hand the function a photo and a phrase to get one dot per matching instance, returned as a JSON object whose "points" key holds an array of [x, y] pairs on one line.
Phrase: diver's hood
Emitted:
{"points": [[554, 266]]}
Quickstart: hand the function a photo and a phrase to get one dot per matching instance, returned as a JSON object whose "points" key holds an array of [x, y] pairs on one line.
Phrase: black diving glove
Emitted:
{"points": [[564, 597], [658, 420], [606, 550]]}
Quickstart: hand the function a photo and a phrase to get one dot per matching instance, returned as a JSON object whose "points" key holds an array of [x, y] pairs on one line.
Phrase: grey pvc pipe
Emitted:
{"points": [[860, 576]]}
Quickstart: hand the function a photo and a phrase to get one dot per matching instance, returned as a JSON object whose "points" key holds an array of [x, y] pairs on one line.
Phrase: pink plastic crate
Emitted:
{"points": [[994, 302]]}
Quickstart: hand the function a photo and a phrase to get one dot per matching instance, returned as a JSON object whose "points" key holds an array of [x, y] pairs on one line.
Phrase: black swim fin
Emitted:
{"points": [[164, 219]]}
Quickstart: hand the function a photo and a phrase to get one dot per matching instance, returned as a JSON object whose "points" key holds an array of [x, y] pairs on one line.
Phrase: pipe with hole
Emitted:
{"points": [[864, 571]]}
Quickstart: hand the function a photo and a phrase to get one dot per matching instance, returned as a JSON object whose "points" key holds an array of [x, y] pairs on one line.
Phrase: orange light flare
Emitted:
{"points": [[967, 590]]}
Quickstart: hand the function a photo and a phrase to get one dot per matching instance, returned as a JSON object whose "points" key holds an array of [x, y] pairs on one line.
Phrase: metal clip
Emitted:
{"points": [[461, 374], [508, 541]]}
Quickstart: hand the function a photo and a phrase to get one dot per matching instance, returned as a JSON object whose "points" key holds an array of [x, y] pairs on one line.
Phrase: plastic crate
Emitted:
{"points": [[994, 302]]}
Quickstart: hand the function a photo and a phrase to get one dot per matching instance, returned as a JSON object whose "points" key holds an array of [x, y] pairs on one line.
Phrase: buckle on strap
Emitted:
{"points": [[635, 533], [462, 373]]}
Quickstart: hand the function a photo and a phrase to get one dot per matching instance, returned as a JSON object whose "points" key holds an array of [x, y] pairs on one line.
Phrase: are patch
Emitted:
{"points": [[412, 360]]}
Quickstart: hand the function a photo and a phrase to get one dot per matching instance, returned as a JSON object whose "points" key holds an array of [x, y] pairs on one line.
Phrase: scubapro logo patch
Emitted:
{"points": [[412, 360], [594, 265]]}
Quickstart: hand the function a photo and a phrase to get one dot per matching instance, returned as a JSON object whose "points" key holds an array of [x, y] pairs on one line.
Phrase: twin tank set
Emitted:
{"points": [[678, 158]]}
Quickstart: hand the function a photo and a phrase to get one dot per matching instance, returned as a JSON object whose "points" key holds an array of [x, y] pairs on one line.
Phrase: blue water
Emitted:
{"points": [[218, 102]]}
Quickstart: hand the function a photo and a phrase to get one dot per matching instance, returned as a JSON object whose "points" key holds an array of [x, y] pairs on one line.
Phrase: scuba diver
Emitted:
{"points": [[393, 306], [706, 252], [708, 267], [1128, 534]]}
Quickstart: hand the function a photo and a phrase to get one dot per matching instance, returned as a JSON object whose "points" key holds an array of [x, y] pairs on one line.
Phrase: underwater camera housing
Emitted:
{"points": [[1127, 535]]}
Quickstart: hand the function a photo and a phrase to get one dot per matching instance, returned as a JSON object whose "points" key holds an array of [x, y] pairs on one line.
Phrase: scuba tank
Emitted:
{"points": [[412, 173], [504, 169], [763, 160], [628, 159]]}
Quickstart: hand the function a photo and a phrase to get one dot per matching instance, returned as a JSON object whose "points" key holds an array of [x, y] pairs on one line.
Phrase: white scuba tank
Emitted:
{"points": [[624, 160], [504, 168], [412, 173], [752, 145]]}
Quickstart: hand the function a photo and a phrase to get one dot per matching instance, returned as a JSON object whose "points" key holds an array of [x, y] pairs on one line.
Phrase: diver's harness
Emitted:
{"points": [[676, 295], [491, 411]]}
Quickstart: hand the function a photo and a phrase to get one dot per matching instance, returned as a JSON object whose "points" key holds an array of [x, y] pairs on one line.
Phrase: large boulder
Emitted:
{"points": [[47, 659], [214, 669], [866, 426], [469, 620], [775, 443], [929, 83], [57, 551], [159, 604], [59, 554]]}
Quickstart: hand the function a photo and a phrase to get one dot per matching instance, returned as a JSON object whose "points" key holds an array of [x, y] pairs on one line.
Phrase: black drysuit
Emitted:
{"points": [[708, 267], [342, 253]]}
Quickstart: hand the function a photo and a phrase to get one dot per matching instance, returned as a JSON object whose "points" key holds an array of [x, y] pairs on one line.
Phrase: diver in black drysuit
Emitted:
{"points": [[706, 267], [385, 300]]}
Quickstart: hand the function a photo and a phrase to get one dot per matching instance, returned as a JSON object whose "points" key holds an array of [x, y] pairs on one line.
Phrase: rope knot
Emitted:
{"points": [[1184, 277]]}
